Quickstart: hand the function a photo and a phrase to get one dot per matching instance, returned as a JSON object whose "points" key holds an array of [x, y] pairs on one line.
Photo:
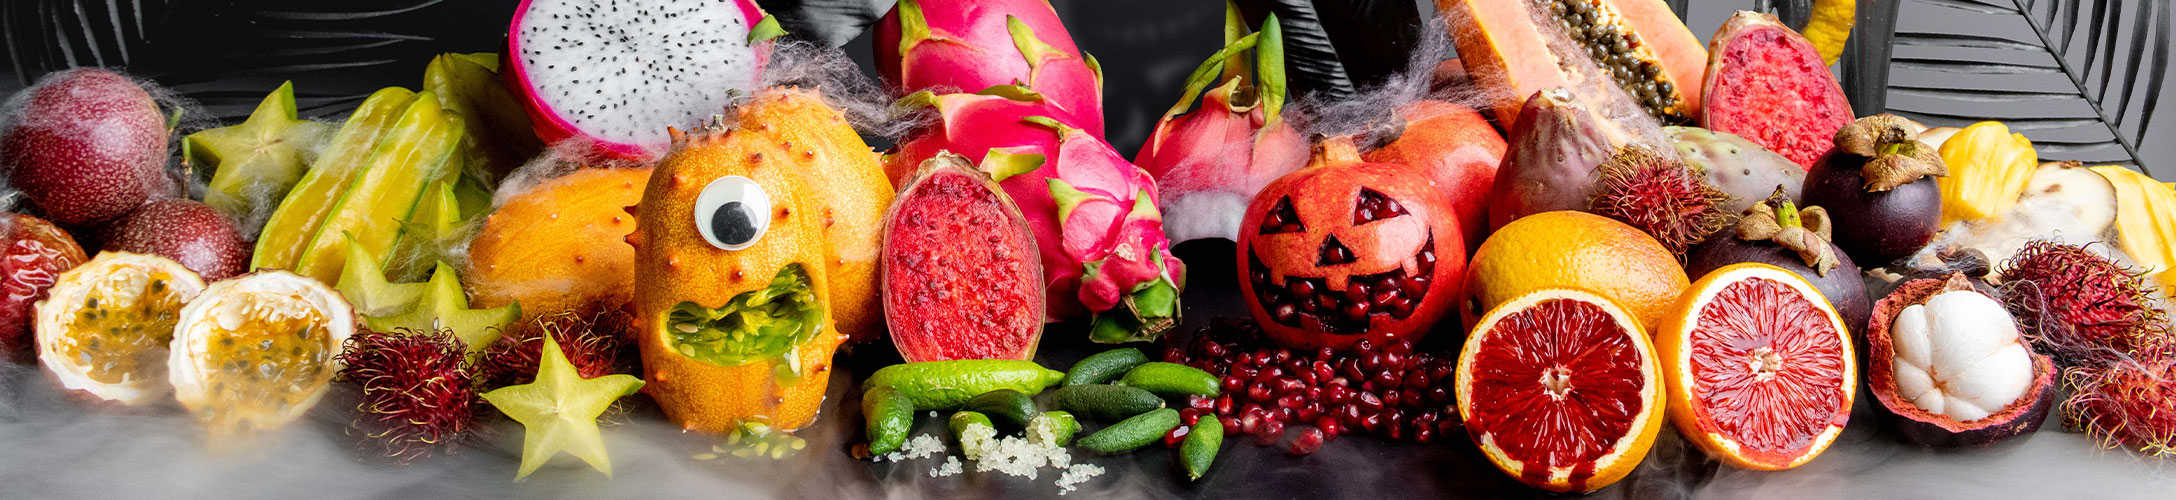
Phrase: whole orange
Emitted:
{"points": [[1567, 249]]}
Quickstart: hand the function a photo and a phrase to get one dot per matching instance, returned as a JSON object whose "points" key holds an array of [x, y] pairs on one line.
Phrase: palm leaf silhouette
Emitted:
{"points": [[225, 54], [2082, 78]]}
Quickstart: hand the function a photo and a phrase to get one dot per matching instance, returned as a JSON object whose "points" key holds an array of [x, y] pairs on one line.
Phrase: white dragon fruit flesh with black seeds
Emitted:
{"points": [[617, 73]]}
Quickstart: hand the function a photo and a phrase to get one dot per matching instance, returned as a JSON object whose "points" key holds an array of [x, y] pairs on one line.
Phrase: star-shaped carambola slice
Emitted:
{"points": [[362, 281], [559, 411], [444, 306], [258, 160]]}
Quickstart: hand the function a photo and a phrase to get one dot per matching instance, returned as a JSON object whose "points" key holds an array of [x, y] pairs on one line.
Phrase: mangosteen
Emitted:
{"points": [[1878, 185], [1778, 233], [1936, 399], [188, 231]]}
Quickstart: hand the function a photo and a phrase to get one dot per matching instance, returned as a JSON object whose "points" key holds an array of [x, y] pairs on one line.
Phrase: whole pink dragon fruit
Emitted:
{"points": [[1094, 215], [970, 45], [1210, 162]]}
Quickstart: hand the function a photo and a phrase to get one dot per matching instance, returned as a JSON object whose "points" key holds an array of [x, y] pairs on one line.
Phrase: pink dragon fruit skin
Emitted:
{"points": [[970, 45], [1209, 162], [552, 127], [1094, 214]]}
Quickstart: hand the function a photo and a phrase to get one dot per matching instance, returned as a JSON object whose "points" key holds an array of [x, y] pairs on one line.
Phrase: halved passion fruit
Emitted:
{"points": [[1760, 370], [104, 326], [1561, 389], [255, 352], [1951, 369]]}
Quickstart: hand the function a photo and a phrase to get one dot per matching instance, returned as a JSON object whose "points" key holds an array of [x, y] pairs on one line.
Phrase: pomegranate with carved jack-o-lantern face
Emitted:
{"points": [[1345, 250]]}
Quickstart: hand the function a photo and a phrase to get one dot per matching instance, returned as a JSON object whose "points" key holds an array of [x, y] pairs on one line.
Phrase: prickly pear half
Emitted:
{"points": [[1210, 160], [1101, 236], [960, 274], [954, 46], [1767, 83]]}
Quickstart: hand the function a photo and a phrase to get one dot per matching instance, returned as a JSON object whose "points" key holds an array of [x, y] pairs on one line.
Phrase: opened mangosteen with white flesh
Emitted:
{"points": [[1950, 368], [1345, 250]]}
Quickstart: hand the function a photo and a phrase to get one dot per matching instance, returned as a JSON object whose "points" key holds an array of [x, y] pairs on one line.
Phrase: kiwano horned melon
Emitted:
{"points": [[1514, 48], [559, 246], [732, 314], [850, 194]]}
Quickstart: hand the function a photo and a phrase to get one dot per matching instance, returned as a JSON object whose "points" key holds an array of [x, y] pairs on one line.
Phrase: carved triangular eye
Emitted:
{"points": [[1334, 252], [1373, 206], [1282, 218]]}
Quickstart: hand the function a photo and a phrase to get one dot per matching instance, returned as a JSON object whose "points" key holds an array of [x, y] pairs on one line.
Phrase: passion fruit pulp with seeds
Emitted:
{"points": [[104, 327], [1904, 322], [256, 352]]}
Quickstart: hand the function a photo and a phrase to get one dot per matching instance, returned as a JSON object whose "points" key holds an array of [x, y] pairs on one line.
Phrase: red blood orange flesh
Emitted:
{"points": [[1561, 389], [1761, 374]]}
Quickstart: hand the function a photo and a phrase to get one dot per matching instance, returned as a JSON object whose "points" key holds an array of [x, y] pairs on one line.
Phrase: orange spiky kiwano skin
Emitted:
{"points": [[851, 192], [560, 246], [679, 265]]}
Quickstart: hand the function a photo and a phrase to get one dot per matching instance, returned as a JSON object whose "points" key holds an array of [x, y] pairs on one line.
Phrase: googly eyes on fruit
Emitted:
{"points": [[732, 212]]}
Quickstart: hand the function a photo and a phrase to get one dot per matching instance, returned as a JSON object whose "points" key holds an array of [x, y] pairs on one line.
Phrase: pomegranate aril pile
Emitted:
{"points": [[1390, 392]]}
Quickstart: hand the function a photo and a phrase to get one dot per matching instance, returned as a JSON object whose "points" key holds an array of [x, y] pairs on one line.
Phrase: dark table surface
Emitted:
{"points": [[55, 449]]}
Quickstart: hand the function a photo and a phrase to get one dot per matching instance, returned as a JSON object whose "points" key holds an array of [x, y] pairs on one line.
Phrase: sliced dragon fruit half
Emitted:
{"points": [[618, 73]]}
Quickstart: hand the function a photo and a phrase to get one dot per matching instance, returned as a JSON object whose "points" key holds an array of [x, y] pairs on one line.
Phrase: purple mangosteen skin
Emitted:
{"points": [[1896, 413], [1874, 228]]}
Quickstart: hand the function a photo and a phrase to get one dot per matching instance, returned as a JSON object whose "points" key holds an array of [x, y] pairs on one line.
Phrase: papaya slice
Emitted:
{"points": [[1516, 48]]}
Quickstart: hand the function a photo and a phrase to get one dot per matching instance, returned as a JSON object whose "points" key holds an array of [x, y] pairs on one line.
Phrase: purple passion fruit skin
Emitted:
{"points": [[86, 146], [190, 232]]}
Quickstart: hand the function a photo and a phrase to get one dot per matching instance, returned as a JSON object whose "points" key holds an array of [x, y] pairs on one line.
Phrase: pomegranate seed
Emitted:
{"points": [[1270, 432], [1337, 394], [1230, 425], [1363, 346], [1234, 384], [1368, 401], [1172, 355], [1386, 379], [1424, 435], [1309, 413], [1351, 414], [1392, 398], [1200, 402], [1372, 362], [1214, 350], [1250, 423], [1291, 401], [1290, 386], [1309, 441], [1259, 392], [1173, 437], [1401, 347], [1189, 416], [1329, 426], [1438, 395], [1224, 404], [1250, 409], [1314, 393], [1373, 422], [1324, 353], [1269, 376], [1412, 397]]}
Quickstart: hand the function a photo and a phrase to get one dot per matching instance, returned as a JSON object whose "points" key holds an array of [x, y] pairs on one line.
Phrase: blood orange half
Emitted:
{"points": [[1760, 372], [1561, 389]]}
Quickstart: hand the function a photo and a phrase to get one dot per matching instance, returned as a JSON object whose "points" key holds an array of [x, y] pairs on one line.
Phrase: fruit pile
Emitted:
{"points": [[1627, 229]]}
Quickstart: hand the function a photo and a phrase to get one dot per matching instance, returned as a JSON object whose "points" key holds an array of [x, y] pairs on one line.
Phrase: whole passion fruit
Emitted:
{"points": [[1950, 369], [1878, 185]]}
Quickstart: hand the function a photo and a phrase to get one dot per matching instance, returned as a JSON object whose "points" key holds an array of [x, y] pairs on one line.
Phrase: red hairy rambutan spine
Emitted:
{"points": [[2128, 404], [1664, 197], [594, 339], [2095, 311], [417, 395]]}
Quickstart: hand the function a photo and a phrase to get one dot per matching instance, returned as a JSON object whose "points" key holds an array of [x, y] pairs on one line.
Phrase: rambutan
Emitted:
{"points": [[2128, 404], [1658, 194], [2090, 311], [594, 338], [417, 394]]}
